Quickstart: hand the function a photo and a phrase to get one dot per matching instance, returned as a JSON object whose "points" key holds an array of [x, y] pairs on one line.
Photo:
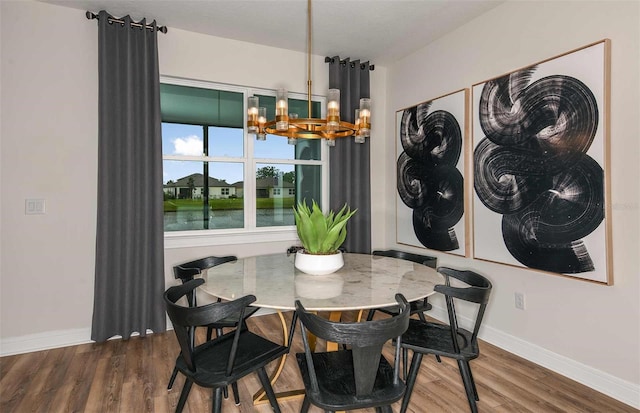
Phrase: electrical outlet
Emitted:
{"points": [[519, 301]]}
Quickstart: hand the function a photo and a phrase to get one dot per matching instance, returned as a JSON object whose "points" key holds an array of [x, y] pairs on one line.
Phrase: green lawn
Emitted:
{"points": [[172, 205]]}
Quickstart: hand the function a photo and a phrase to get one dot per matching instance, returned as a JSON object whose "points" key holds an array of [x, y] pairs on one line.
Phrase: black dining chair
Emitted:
{"points": [[355, 378], [224, 360], [450, 340], [186, 272], [417, 307]]}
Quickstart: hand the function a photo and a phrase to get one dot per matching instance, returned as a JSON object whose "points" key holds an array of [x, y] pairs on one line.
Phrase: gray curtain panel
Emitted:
{"points": [[129, 273], [349, 161]]}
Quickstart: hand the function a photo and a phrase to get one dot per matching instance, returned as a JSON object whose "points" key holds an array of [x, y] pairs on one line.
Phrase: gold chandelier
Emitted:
{"points": [[289, 125]]}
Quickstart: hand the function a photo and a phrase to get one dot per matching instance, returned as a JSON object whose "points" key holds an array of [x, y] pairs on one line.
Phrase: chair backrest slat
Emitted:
{"points": [[365, 338], [417, 258], [189, 270], [477, 291]]}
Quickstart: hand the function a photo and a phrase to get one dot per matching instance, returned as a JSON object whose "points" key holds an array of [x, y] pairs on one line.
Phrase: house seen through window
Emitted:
{"points": [[216, 176]]}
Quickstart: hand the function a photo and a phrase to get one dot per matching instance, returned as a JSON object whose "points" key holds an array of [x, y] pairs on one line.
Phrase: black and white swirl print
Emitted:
{"points": [[428, 181], [532, 167]]}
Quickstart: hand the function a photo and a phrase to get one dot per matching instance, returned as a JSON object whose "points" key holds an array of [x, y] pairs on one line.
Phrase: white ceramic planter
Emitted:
{"points": [[318, 264]]}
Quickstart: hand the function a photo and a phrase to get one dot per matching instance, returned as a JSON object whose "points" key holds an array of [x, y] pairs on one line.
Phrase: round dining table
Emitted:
{"points": [[364, 282]]}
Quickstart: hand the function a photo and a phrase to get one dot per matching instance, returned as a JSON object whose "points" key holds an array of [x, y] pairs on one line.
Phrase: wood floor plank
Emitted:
{"points": [[132, 376], [15, 382], [106, 389], [46, 383], [72, 396], [523, 395], [6, 363]]}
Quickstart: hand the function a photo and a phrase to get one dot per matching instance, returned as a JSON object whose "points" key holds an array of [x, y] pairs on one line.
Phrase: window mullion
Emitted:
{"points": [[250, 209]]}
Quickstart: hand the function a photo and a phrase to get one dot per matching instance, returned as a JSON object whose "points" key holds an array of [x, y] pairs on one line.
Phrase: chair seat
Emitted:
{"points": [[434, 338], [337, 387], [211, 358], [416, 307]]}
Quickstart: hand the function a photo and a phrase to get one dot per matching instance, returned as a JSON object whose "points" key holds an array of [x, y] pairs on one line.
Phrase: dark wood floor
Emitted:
{"points": [[132, 376]]}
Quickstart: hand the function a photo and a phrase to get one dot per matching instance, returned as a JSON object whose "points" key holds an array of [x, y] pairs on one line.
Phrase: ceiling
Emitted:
{"points": [[380, 31]]}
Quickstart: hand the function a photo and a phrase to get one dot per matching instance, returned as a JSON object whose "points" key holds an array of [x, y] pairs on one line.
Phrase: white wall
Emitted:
{"points": [[596, 327], [49, 150]]}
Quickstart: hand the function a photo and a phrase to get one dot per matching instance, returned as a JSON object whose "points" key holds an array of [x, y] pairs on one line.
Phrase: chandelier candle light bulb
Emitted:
{"points": [[282, 110], [365, 116], [359, 137], [262, 120], [292, 140], [252, 115], [333, 110]]}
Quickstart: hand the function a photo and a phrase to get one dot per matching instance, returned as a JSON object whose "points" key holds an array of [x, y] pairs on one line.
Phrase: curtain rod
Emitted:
{"points": [[92, 16], [352, 64]]}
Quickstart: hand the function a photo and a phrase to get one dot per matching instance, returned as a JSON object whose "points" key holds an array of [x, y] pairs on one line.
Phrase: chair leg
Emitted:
{"points": [[264, 380], [183, 395], [173, 378], [236, 394], [422, 317], [305, 405], [209, 333], [467, 380], [405, 363], [416, 360], [370, 315], [216, 403], [438, 358], [475, 390]]}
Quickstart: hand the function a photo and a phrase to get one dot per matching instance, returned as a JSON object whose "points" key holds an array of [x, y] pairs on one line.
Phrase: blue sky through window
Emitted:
{"points": [[188, 140]]}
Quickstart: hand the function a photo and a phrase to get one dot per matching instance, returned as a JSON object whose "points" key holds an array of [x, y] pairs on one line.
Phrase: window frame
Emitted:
{"points": [[250, 233]]}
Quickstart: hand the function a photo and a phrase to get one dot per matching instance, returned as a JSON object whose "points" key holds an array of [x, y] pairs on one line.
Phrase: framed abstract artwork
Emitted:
{"points": [[432, 142], [540, 166]]}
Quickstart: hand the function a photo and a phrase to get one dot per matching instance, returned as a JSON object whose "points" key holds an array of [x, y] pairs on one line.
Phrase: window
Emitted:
{"points": [[218, 178]]}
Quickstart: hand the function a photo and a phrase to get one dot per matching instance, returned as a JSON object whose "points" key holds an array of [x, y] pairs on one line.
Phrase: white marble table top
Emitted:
{"points": [[365, 281]]}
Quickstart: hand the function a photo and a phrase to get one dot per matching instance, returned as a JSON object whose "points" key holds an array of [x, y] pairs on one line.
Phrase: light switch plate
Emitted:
{"points": [[34, 206], [519, 301]]}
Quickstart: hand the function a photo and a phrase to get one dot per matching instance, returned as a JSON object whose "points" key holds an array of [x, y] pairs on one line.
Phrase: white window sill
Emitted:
{"points": [[187, 239]]}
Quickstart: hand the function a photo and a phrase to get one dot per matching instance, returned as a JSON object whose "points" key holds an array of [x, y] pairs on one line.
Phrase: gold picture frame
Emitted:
{"points": [[541, 180], [432, 192]]}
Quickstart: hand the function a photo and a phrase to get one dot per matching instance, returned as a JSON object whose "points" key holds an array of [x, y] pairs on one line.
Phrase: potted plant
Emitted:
{"points": [[321, 236]]}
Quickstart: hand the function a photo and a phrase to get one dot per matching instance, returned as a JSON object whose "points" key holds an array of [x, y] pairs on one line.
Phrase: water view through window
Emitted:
{"points": [[204, 166], [192, 202]]}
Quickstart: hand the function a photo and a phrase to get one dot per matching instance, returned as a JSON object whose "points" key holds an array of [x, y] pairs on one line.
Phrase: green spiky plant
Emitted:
{"points": [[321, 234]]}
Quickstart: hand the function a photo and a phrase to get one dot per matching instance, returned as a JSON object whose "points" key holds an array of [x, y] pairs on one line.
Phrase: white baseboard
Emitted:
{"points": [[44, 341], [625, 391], [63, 338], [612, 386]]}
